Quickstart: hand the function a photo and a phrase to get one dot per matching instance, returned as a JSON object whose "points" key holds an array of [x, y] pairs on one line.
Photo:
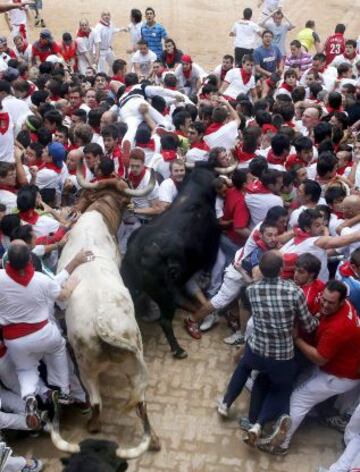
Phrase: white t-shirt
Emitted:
{"points": [[246, 34], [9, 200], [294, 217], [7, 141], [236, 83], [30, 304], [45, 225], [17, 109], [259, 204], [144, 202], [167, 191], [17, 16], [144, 61], [48, 178], [225, 136], [351, 247], [87, 44], [26, 55], [135, 32], [159, 165], [105, 33]]}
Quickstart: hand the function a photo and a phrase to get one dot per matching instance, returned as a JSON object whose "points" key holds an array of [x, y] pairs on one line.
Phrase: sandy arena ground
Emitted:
{"points": [[181, 394]]}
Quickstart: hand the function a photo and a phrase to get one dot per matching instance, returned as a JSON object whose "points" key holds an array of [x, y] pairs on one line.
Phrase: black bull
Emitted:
{"points": [[164, 254]]}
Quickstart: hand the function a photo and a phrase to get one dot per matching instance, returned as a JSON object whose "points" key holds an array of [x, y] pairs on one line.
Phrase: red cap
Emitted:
{"points": [[187, 59]]}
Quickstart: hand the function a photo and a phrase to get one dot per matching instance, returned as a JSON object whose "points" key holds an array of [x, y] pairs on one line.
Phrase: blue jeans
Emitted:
{"points": [[280, 377]]}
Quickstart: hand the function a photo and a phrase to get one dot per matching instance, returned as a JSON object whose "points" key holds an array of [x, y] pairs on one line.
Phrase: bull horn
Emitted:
{"points": [[61, 444], [135, 452], [130, 192], [226, 170]]}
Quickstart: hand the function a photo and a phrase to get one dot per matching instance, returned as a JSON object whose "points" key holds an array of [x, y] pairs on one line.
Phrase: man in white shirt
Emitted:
{"points": [[105, 30], [223, 131], [350, 56], [29, 334], [246, 33], [240, 80], [264, 194], [143, 60], [16, 20], [169, 188], [189, 76], [87, 47], [17, 109], [22, 49]]}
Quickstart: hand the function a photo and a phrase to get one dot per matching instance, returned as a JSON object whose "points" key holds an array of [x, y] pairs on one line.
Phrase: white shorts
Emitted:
{"points": [[229, 290]]}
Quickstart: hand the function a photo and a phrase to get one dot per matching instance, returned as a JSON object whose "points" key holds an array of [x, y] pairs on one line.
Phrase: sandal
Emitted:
{"points": [[192, 328]]}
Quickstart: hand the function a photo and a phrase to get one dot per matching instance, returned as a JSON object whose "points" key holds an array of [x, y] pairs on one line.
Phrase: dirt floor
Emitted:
{"points": [[181, 394]]}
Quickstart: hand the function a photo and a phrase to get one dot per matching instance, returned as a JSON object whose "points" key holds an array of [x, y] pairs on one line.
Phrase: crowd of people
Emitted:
{"points": [[283, 116]]}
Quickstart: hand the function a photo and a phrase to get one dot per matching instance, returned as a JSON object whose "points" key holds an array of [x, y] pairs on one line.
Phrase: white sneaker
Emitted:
{"points": [[235, 339], [209, 321], [222, 408]]}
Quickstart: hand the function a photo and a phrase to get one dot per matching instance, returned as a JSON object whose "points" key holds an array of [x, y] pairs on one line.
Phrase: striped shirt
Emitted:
{"points": [[154, 35], [276, 304], [303, 62]]}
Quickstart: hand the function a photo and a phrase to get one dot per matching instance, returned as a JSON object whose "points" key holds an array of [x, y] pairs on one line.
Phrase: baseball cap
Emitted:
{"points": [[57, 153], [45, 34], [186, 58]]}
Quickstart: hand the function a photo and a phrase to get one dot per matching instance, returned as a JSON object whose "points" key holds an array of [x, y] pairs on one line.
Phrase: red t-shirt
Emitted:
{"points": [[235, 209], [334, 46], [338, 339], [313, 292], [43, 52]]}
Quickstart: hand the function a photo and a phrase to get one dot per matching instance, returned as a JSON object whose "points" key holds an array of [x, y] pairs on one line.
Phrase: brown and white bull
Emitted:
{"points": [[100, 317]]}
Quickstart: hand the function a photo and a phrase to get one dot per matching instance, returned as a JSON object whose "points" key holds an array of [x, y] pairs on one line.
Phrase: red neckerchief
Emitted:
{"points": [[149, 145], [243, 156], [105, 24], [339, 214], [259, 242], [118, 78], [290, 124], [118, 155], [180, 133], [96, 129], [29, 216], [73, 171], [223, 73], [4, 122], [347, 271], [82, 34], [213, 128], [341, 170], [293, 160], [187, 73], [200, 145], [169, 155], [268, 128], [170, 58], [312, 292], [31, 90], [330, 109], [170, 88], [245, 76], [22, 279], [287, 87], [50, 166], [300, 235], [136, 179], [8, 188], [353, 55], [273, 159], [257, 188], [103, 177]]}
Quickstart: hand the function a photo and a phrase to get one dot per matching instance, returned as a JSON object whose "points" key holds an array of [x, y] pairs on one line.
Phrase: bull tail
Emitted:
{"points": [[135, 452]]}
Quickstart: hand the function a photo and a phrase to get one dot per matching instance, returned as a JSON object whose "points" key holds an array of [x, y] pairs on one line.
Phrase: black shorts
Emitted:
{"points": [[240, 53]]}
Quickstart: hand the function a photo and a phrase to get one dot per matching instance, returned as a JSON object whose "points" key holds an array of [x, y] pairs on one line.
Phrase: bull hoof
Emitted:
{"points": [[180, 354], [155, 444], [93, 426]]}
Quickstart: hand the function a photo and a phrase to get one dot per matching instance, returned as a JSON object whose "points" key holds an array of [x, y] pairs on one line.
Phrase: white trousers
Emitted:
{"points": [[229, 289], [82, 64], [350, 458], [318, 387], [15, 464], [129, 113], [12, 413], [8, 375], [26, 352], [106, 60]]}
